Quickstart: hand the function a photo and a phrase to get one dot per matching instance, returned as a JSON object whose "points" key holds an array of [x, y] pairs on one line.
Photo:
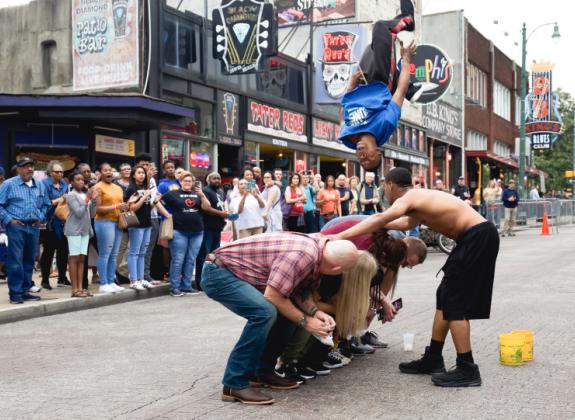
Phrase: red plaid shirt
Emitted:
{"points": [[282, 260]]}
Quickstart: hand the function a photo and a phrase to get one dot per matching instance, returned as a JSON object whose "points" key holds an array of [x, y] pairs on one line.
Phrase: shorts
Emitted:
{"points": [[467, 286], [78, 245]]}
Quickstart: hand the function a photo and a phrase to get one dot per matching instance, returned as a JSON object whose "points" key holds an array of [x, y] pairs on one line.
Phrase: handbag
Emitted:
{"points": [[128, 219], [166, 229], [62, 211]]}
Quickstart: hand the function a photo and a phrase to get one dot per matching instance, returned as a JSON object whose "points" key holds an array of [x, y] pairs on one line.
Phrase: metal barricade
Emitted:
{"points": [[530, 212]]}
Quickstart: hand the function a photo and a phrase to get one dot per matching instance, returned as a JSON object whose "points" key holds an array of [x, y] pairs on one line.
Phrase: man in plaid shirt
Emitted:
{"points": [[256, 278]]}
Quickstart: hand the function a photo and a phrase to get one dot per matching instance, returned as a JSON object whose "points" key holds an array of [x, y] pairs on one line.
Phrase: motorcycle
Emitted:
{"points": [[435, 239]]}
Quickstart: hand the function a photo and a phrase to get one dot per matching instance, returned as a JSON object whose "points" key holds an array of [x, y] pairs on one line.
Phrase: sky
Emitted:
{"points": [[510, 15]]}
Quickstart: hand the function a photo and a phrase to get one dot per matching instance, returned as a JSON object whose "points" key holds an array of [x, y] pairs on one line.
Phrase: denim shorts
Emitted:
{"points": [[78, 245]]}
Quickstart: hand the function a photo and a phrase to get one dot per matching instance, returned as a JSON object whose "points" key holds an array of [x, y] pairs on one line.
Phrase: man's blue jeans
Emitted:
{"points": [[184, 249], [139, 241], [244, 300], [368, 212], [109, 238], [22, 244], [210, 242]]}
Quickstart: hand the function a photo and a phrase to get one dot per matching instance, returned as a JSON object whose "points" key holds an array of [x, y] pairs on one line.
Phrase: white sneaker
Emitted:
{"points": [[35, 289], [137, 285], [106, 288], [147, 284], [116, 287]]}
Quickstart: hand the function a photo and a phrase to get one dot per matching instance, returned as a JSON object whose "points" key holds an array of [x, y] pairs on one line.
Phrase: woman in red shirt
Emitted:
{"points": [[328, 201], [295, 196]]}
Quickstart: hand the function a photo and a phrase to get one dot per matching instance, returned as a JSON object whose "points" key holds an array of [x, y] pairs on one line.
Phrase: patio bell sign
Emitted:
{"points": [[542, 118], [245, 32]]}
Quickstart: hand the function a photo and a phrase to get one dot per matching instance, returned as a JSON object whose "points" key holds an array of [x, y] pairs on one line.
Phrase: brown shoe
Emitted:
{"points": [[248, 396], [273, 381]]}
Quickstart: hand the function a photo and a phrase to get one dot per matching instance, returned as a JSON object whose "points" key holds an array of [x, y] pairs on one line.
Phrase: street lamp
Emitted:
{"points": [[524, 38]]}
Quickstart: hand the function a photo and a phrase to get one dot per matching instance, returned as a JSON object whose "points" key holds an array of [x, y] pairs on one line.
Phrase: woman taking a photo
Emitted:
{"points": [[295, 196], [271, 195], [328, 201], [139, 197], [249, 207], [78, 230], [109, 204], [186, 204]]}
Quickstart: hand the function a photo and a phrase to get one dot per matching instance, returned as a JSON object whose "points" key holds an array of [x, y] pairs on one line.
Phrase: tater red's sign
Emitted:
{"points": [[276, 122]]}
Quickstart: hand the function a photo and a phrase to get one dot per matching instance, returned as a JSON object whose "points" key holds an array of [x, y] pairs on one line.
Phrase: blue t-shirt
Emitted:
{"points": [[369, 109]]}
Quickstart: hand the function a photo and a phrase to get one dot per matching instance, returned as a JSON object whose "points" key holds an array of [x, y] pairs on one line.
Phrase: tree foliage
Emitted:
{"points": [[560, 158]]}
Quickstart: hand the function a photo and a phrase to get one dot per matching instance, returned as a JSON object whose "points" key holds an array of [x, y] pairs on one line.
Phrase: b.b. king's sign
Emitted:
{"points": [[542, 119]]}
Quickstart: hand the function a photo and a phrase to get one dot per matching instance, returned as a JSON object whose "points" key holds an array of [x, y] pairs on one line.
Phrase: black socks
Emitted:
{"points": [[468, 357], [436, 347]]}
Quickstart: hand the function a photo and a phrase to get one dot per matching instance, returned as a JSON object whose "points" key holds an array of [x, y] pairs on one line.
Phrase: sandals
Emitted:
{"points": [[82, 294]]}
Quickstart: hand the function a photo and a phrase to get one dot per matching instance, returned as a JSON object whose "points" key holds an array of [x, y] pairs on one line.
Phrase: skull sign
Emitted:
{"points": [[336, 78], [337, 61]]}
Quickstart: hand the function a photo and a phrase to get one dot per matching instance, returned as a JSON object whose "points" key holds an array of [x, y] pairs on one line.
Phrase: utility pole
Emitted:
{"points": [[521, 179]]}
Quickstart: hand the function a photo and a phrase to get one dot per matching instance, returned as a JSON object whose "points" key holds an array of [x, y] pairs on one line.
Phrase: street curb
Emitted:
{"points": [[60, 306]]}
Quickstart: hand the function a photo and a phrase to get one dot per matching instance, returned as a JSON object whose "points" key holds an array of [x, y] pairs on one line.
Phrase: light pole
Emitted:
{"points": [[524, 39]]}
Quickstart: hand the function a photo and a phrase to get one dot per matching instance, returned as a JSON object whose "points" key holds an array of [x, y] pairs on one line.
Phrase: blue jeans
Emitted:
{"points": [[109, 238], [184, 249], [414, 232], [210, 242], [246, 301], [310, 222], [22, 244], [368, 212], [139, 241]]}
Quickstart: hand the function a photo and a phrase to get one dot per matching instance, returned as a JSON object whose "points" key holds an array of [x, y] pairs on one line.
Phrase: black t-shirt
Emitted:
{"points": [[460, 192], [215, 197], [329, 287], [144, 213], [344, 204], [186, 209]]}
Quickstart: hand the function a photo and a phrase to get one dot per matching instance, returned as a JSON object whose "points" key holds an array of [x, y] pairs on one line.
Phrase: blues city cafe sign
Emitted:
{"points": [[244, 32], [432, 70], [542, 118], [338, 50]]}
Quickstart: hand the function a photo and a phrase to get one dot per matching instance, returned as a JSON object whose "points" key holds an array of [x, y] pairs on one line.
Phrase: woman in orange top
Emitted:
{"points": [[109, 204], [328, 201]]}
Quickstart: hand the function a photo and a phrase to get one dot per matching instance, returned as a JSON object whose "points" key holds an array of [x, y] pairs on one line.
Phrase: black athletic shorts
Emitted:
{"points": [[467, 285]]}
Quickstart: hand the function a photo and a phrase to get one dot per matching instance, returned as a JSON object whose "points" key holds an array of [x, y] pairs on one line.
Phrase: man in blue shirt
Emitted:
{"points": [[369, 112], [23, 206], [309, 206], [510, 199]]}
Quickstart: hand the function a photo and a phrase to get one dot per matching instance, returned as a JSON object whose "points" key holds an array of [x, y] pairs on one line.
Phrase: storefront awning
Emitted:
{"points": [[125, 111], [512, 163]]}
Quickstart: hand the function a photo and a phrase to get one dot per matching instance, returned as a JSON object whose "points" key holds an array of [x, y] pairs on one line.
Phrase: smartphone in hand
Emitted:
{"points": [[397, 304]]}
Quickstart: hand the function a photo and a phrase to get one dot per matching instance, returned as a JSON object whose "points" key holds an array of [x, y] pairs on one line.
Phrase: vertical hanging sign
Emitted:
{"points": [[245, 31], [105, 50], [543, 121]]}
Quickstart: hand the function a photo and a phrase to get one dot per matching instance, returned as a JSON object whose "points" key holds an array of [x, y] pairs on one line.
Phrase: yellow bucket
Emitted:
{"points": [[528, 343], [511, 349]]}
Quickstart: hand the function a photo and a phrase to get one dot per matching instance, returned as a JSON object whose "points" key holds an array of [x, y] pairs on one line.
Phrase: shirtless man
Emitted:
{"points": [[467, 285]]}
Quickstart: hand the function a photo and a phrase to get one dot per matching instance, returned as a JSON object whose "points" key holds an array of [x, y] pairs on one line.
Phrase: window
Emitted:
{"points": [[517, 110], [502, 149], [180, 43], [476, 140], [48, 62], [476, 85], [501, 100]]}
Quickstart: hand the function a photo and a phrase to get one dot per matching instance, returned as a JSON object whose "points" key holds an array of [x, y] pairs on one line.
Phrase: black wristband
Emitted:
{"points": [[313, 311]]}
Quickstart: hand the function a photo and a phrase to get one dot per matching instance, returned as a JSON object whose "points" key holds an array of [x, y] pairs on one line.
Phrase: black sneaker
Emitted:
{"points": [[30, 297], [63, 283], [306, 372], [289, 371], [371, 338], [359, 349], [461, 375], [332, 362], [319, 369], [190, 291], [46, 285], [344, 348], [16, 300], [176, 293], [428, 364]]}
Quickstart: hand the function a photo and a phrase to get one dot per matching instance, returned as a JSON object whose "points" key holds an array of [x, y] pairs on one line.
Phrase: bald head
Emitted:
{"points": [[338, 256]]}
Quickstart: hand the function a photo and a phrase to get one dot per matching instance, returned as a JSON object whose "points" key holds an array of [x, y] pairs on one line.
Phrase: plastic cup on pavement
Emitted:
{"points": [[408, 341]]}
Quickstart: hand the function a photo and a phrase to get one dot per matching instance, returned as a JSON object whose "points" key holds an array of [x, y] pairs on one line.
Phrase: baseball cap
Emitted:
{"points": [[24, 161], [461, 177]]}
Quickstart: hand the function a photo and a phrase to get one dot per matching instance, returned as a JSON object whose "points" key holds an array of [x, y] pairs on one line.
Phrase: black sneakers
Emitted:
{"points": [[428, 364], [370, 338], [461, 375]]}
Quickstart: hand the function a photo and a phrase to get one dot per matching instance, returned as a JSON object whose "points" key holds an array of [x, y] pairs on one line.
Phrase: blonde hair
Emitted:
{"points": [[353, 296]]}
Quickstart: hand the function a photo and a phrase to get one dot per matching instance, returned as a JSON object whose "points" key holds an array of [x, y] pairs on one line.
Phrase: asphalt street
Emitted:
{"points": [[164, 357]]}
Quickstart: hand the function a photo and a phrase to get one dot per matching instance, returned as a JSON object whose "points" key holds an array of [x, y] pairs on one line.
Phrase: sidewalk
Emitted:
{"points": [[58, 300]]}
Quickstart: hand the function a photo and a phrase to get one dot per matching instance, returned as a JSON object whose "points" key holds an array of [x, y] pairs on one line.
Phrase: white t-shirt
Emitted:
{"points": [[153, 196], [251, 216]]}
